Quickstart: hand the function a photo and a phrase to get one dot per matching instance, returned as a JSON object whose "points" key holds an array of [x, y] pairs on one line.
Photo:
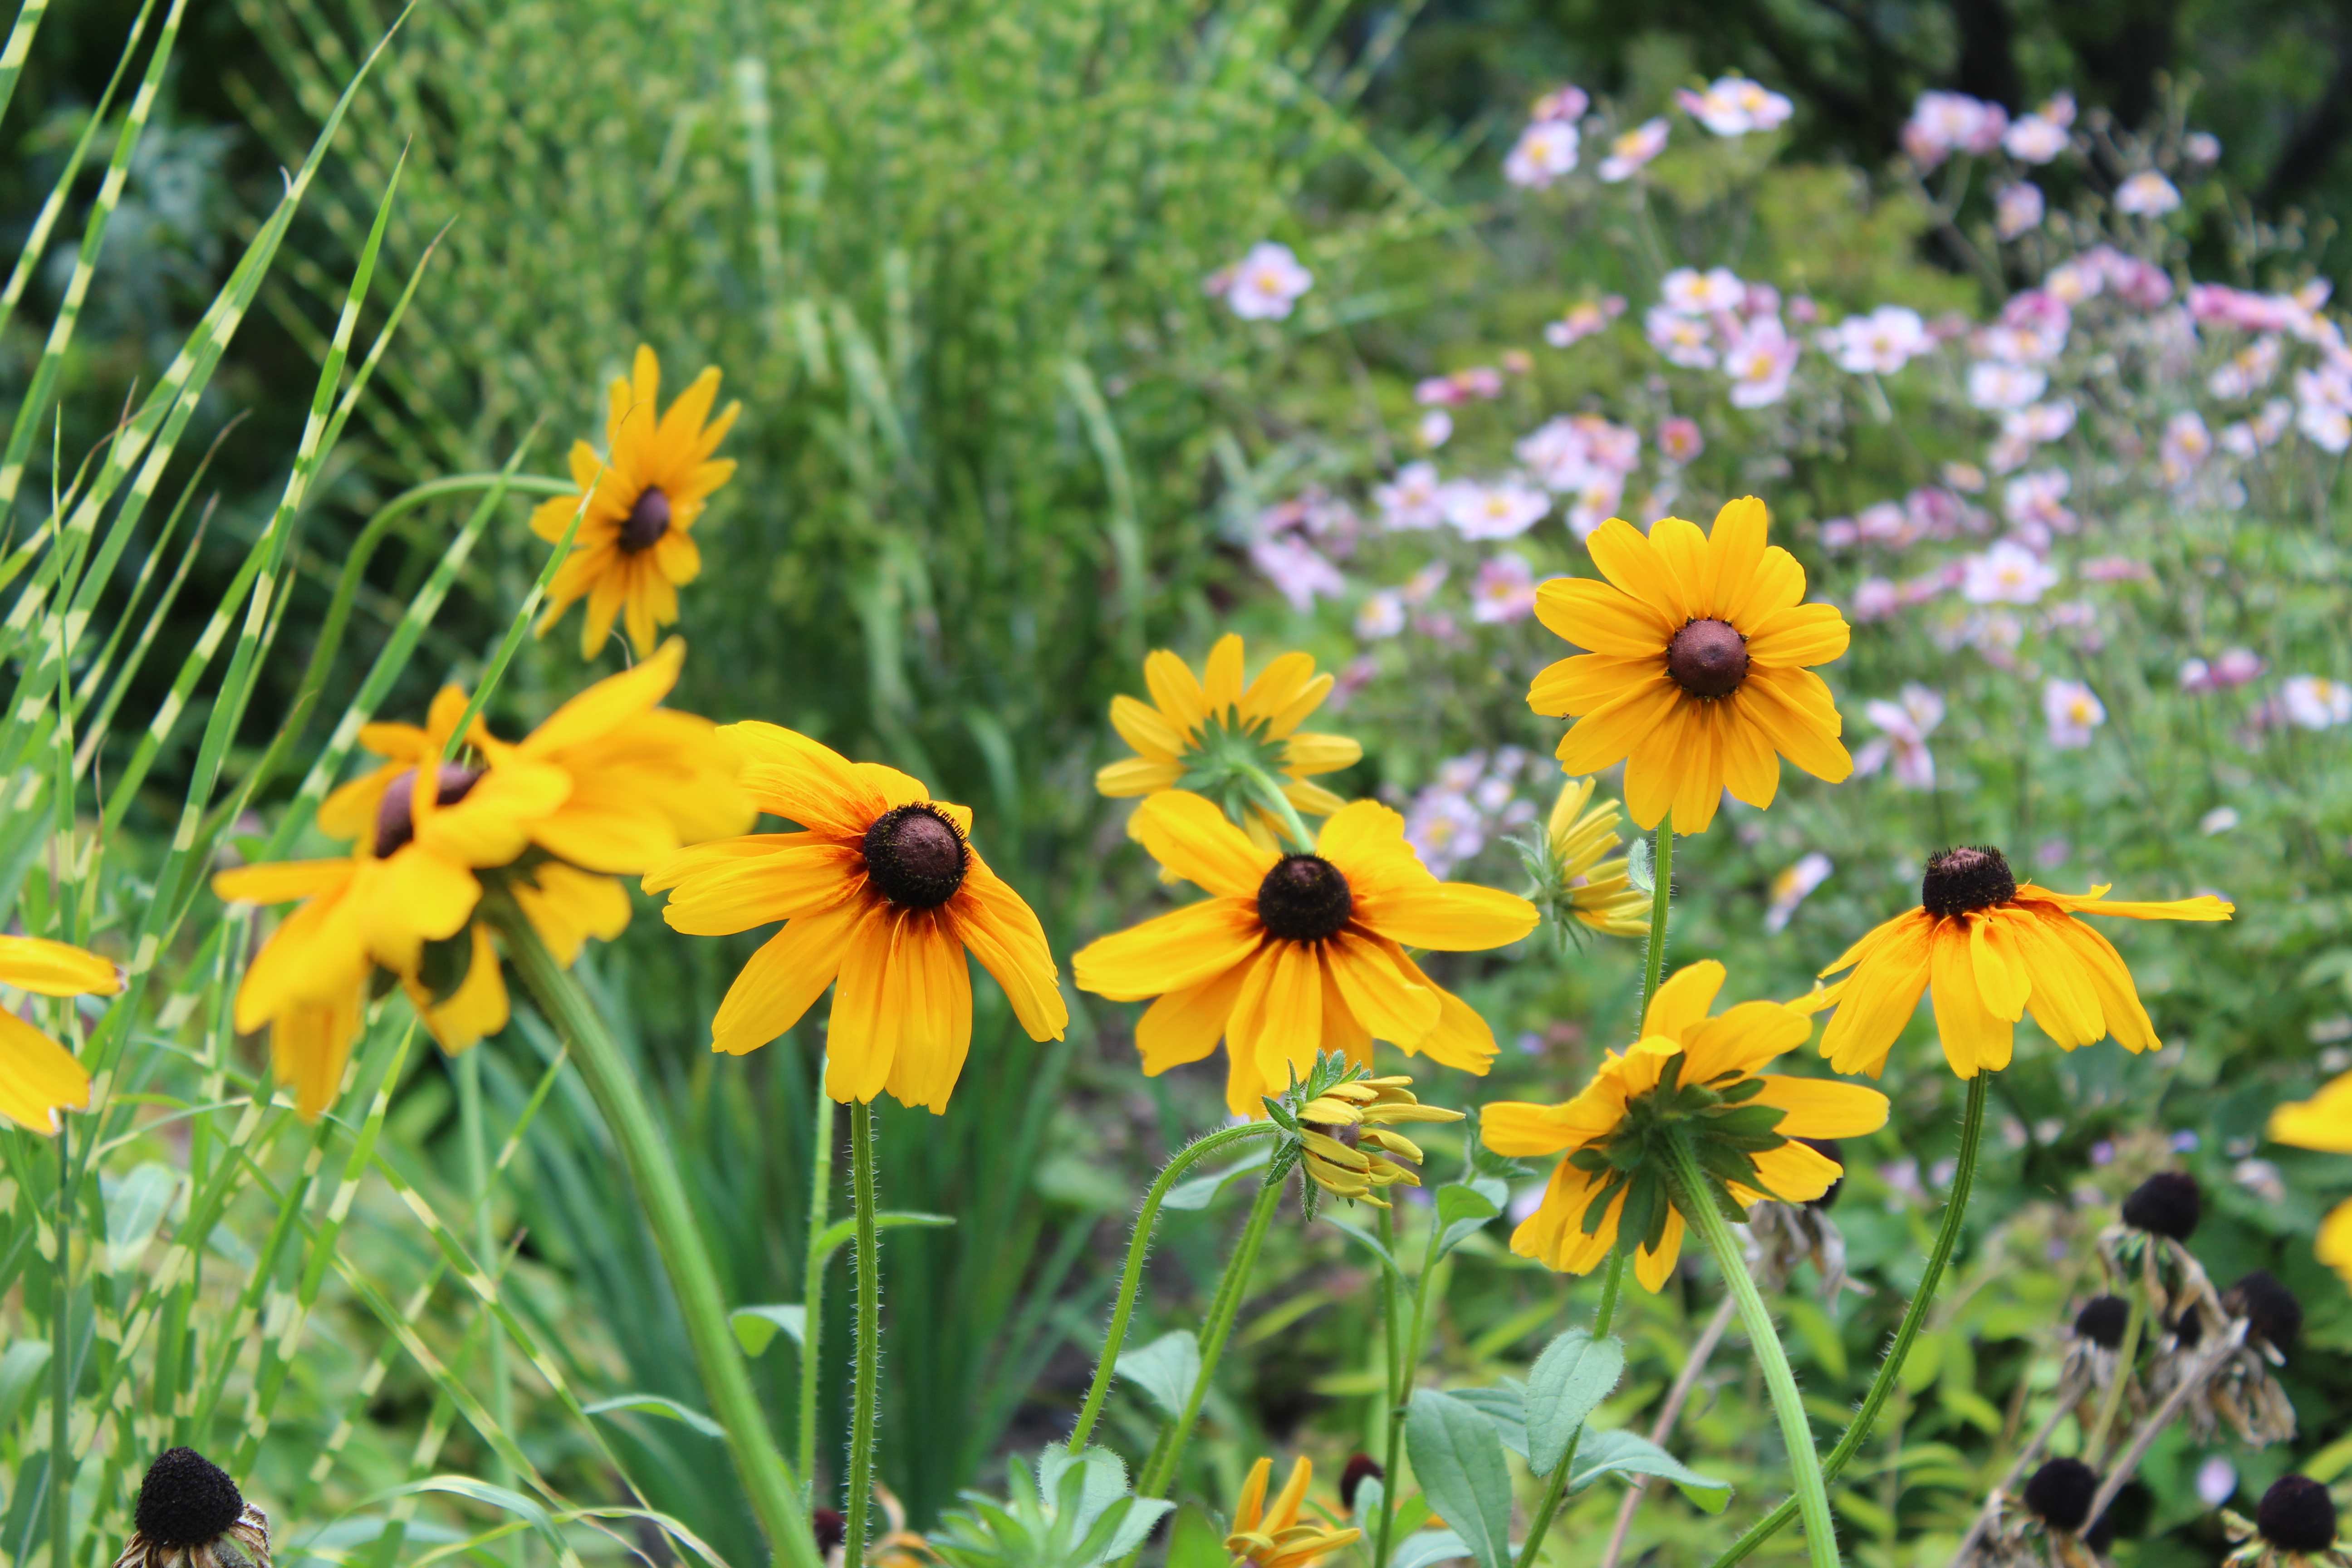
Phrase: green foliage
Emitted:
{"points": [[1074, 1512]]}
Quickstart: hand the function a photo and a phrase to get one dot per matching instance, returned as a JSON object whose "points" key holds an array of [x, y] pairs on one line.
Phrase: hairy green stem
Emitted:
{"points": [[1613, 1286], [1407, 1362], [1137, 1247], [1661, 887], [1392, 1365], [820, 1208], [478, 1176], [2094, 1447], [1227, 1305], [1882, 1386], [860, 1502], [775, 1492], [1697, 1202]]}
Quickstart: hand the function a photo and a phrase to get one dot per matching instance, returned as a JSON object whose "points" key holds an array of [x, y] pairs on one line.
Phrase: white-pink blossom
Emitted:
{"points": [[1633, 149], [1998, 385], [1504, 591], [1881, 343], [2147, 194], [2017, 207], [1943, 123], [2072, 711], [1683, 340], [2187, 444], [1733, 106], [1904, 726], [1690, 292], [2035, 502], [1679, 439], [1546, 151], [2316, 702], [1298, 572], [1265, 283], [1411, 500], [2006, 573], [1582, 321], [2033, 139], [1502, 508], [1758, 358], [1565, 102], [1382, 614], [1794, 887]]}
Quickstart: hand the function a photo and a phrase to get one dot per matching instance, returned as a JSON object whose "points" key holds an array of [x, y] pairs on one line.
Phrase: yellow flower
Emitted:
{"points": [[1294, 954], [1697, 670], [1209, 735], [635, 549], [2324, 1121], [1991, 950], [1272, 1535], [880, 888], [1589, 879], [1348, 1150], [39, 1077], [1688, 1077]]}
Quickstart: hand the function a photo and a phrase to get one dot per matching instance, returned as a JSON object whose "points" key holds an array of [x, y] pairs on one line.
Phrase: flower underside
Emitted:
{"points": [[1724, 1130], [1234, 761]]}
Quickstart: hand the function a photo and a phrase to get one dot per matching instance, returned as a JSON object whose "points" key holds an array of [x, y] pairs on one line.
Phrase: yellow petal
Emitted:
{"points": [[602, 707], [1823, 1108], [1389, 1004], [1169, 952], [784, 978], [1636, 567], [1001, 931], [1880, 995], [1800, 635], [38, 1078], [1682, 1000], [55, 968], [1975, 1039], [1188, 833], [798, 879], [936, 1033], [1655, 1267], [1185, 1025], [2322, 1122], [1735, 548], [1601, 618]]}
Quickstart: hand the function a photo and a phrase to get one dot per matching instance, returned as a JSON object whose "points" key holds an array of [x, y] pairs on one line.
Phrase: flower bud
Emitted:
{"points": [[2168, 1203]]}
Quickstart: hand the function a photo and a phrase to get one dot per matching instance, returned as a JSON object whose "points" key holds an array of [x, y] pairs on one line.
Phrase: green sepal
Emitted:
{"points": [[445, 965]]}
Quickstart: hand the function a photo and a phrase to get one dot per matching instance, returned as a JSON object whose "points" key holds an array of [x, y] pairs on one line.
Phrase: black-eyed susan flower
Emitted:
{"points": [[1688, 1077], [1579, 874], [1347, 1148], [1292, 955], [879, 889], [635, 547], [39, 1077], [2293, 1527], [191, 1515], [1214, 735], [1280, 1533], [2324, 1122], [1992, 949], [1698, 677]]}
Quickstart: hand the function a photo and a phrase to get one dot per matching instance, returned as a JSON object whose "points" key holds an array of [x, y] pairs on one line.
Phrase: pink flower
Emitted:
{"points": [[2316, 702], [2114, 569], [2248, 370], [2187, 444], [2201, 147], [2033, 139], [1874, 599], [1568, 102], [1903, 727], [1546, 151], [1411, 500], [1503, 510], [1758, 359], [2016, 208], [2072, 711], [1995, 385], [1505, 591], [1733, 106], [1879, 343], [1943, 123], [1436, 428], [2037, 501], [1595, 504], [1297, 573], [1382, 614], [2007, 573], [1633, 149], [1582, 321], [1679, 439], [1264, 284], [1683, 340], [1793, 886], [1422, 585], [1688, 292], [2147, 195]]}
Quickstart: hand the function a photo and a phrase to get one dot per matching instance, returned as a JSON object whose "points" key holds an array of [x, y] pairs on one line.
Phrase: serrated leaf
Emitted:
{"points": [[1165, 1369], [1567, 1383], [1459, 1460], [756, 1327], [1630, 1454]]}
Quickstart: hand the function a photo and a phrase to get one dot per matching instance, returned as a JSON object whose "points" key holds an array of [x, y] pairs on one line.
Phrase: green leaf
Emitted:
{"points": [[1505, 1406], [1460, 1462], [1165, 1369], [1370, 1243], [1193, 1542], [1431, 1546], [1200, 1192], [755, 1327], [841, 1232], [1629, 1454], [1569, 1382], [20, 1369], [659, 1405], [1462, 1212], [135, 1205]]}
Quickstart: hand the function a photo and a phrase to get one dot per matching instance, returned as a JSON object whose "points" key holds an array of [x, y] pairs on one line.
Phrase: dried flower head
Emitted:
{"points": [[191, 1515]]}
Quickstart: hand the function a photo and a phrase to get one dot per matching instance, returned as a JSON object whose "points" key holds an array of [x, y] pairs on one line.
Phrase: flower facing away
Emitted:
{"points": [[2324, 1122], [1688, 1077], [189, 1514], [1347, 1149], [40, 1077], [1579, 874], [878, 887], [1273, 1534], [1697, 673], [1295, 955], [1215, 736], [635, 549], [1990, 948]]}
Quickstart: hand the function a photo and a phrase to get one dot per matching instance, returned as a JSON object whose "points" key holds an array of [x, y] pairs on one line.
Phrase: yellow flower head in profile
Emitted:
{"points": [[2324, 1122], [1992, 948], [880, 889], [1688, 1077], [1213, 736], [1274, 1534], [1295, 955], [1581, 875], [1698, 676], [636, 547], [1347, 1149], [39, 1077]]}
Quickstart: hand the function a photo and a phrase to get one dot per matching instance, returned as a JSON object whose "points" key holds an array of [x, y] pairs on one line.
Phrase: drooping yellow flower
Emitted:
{"points": [[1293, 954], [1688, 1077], [1210, 735], [1350, 1152], [1590, 879], [1698, 669], [1274, 1535], [39, 1077], [2324, 1122], [1991, 950], [635, 549], [881, 887]]}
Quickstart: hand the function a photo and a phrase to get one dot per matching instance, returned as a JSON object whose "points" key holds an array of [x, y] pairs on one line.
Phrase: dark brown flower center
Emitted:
{"points": [[396, 820], [647, 520], [2297, 1515], [1708, 659], [1303, 899], [185, 1501], [1960, 880], [915, 856]]}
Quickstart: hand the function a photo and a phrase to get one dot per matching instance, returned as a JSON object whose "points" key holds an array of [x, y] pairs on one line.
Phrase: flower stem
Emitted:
{"points": [[1882, 1387], [860, 1502], [1697, 1205], [1136, 1247], [1398, 1388], [1662, 873], [1405, 1362], [1612, 1284], [2094, 1447], [766, 1475], [820, 1207], [1269, 795], [1161, 1468], [61, 1454]]}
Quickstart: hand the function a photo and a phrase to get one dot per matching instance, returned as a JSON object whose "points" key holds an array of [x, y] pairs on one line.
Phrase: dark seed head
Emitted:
{"points": [[1361, 1468], [915, 856], [2167, 1203], [1966, 878], [2189, 1328], [2297, 1515], [1708, 659], [647, 520], [1830, 1148], [185, 1501], [2060, 1493], [1303, 899], [829, 1527], [2102, 1320], [395, 821], [2269, 1308]]}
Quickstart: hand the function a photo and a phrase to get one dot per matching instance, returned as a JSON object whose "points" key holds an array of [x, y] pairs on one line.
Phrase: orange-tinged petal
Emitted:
{"points": [[1880, 996], [1134, 777], [1765, 697], [1185, 1025], [2322, 1122], [1281, 683], [1742, 1038], [1699, 767], [55, 968], [1654, 1266], [862, 1034], [1145, 729], [1390, 1003], [1519, 1130], [1189, 834], [1610, 732], [281, 881], [310, 1046], [1169, 952], [2063, 1000], [1462, 1039], [1776, 582], [1582, 682], [1001, 931], [937, 1034], [784, 979], [1975, 1038], [798, 879], [1796, 1174], [801, 780], [1683, 549], [2001, 978], [2110, 980]]}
